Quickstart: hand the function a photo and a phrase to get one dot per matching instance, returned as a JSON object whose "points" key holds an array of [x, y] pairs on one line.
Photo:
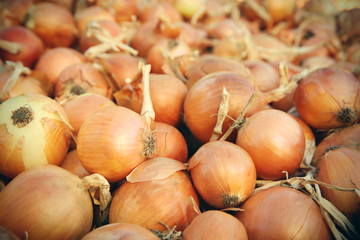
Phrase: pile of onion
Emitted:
{"points": [[38, 202], [34, 131]]}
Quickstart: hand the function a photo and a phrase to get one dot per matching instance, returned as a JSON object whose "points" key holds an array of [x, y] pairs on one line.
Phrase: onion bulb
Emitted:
{"points": [[340, 166], [111, 141], [158, 191], [211, 225], [223, 174], [117, 231], [40, 200], [279, 146], [328, 98], [282, 213], [72, 163], [92, 13], [345, 137], [34, 131]]}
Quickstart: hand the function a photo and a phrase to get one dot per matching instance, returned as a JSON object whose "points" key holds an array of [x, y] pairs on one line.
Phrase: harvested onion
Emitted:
{"points": [[33, 132], [72, 163], [157, 191], [328, 98], [39, 201], [282, 213], [211, 225]]}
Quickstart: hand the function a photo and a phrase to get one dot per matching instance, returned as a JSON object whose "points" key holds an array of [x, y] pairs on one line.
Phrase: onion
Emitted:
{"points": [[53, 23], [40, 200], [345, 137], [328, 98], [69, 4], [188, 8], [203, 100], [13, 12], [18, 43], [148, 198], [80, 78], [282, 213], [116, 231], [79, 107], [33, 132], [72, 163], [265, 77], [340, 167], [152, 10], [111, 142], [55, 60], [121, 68], [223, 174], [209, 63], [211, 225], [170, 142], [167, 95], [90, 14], [278, 147], [280, 10], [123, 10]]}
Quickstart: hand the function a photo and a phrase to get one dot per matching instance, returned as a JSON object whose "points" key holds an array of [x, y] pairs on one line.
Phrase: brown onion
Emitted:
{"points": [[80, 78], [111, 141], [30, 46], [282, 213], [170, 142], [72, 163], [55, 60], [92, 13], [39, 201], [340, 167], [265, 76], [279, 146], [123, 231], [152, 10], [328, 98], [148, 197], [167, 95], [53, 23], [211, 225], [123, 10], [79, 107], [13, 12], [223, 174], [280, 10], [345, 137], [33, 132]]}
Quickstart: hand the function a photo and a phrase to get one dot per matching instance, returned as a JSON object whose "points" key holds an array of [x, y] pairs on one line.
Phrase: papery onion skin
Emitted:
{"points": [[32, 45], [171, 200], [72, 163], [346, 137], [40, 201], [279, 145], [110, 142], [214, 225], [80, 107], [223, 174], [123, 231], [282, 213], [32, 133], [340, 167], [328, 98]]}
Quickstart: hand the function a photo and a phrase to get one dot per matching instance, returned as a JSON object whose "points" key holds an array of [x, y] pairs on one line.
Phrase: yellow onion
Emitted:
{"points": [[279, 146], [328, 98], [92, 13], [340, 166], [167, 95], [48, 202], [158, 192], [53, 23], [223, 174], [80, 78], [345, 137], [79, 107], [170, 142], [123, 10], [123, 231], [72, 163], [112, 142], [282, 213], [33, 132], [214, 225], [280, 10]]}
